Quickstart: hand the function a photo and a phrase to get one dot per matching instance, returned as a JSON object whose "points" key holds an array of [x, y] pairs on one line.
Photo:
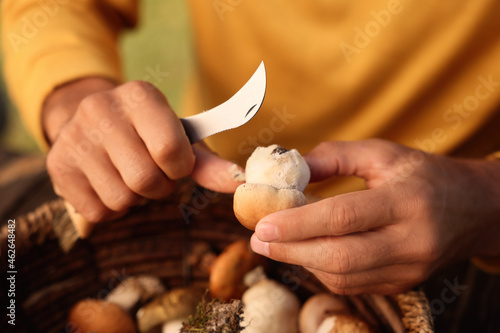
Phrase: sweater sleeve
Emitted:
{"points": [[48, 43]]}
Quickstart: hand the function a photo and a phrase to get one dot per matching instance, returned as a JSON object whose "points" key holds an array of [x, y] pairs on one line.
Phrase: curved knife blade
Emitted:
{"points": [[234, 112]]}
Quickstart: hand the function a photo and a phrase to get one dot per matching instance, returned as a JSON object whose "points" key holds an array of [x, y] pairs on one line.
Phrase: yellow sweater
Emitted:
{"points": [[422, 73]]}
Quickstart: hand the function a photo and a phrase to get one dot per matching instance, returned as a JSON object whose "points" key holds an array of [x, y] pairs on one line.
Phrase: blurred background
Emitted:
{"points": [[161, 41]]}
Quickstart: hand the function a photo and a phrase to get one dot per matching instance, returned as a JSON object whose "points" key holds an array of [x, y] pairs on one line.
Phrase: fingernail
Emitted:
{"points": [[259, 247], [267, 232], [236, 172]]}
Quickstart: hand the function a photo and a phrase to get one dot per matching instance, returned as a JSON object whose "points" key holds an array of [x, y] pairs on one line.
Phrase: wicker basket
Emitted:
{"points": [[155, 239]]}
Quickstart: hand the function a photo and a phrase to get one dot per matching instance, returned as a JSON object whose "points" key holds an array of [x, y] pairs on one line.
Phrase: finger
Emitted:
{"points": [[339, 215], [72, 185], [366, 159], [403, 276], [214, 172], [159, 127], [373, 288], [136, 167], [337, 255], [107, 182]]}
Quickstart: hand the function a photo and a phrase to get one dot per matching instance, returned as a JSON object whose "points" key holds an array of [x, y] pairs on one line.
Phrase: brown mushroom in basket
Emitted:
{"points": [[275, 179], [340, 323], [268, 306], [99, 316], [317, 308], [229, 268], [175, 304]]}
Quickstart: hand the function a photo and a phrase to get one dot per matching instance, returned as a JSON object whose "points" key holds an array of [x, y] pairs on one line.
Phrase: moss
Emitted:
{"points": [[215, 317]]}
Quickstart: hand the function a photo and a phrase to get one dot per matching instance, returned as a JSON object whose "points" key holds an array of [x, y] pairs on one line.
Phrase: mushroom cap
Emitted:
{"points": [[317, 308], [254, 201], [135, 290], [173, 326], [269, 307], [171, 305], [226, 278], [91, 315], [278, 167], [343, 323]]}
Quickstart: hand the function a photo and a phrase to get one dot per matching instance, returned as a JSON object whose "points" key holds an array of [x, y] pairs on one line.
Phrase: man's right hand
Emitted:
{"points": [[114, 146]]}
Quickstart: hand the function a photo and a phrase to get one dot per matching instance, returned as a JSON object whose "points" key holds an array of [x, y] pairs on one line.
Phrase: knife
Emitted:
{"points": [[233, 113]]}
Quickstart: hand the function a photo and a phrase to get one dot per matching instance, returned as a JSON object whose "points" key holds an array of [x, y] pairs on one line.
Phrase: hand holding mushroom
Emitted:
{"points": [[419, 212]]}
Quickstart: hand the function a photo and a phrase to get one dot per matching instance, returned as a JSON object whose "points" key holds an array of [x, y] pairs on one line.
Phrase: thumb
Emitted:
{"points": [[367, 159], [214, 172]]}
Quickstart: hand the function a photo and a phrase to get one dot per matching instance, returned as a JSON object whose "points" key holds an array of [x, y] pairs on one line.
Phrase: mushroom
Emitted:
{"points": [[91, 315], [201, 257], [173, 326], [135, 291], [229, 268], [317, 308], [175, 304], [254, 201], [269, 307], [278, 167], [255, 275], [275, 179], [340, 323]]}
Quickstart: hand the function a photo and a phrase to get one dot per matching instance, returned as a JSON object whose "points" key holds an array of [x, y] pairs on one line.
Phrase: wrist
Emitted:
{"points": [[60, 106], [488, 206]]}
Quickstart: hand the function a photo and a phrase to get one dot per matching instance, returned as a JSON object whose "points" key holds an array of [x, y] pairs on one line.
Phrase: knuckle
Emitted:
{"points": [[139, 85], [340, 260], [52, 164], [339, 281], [338, 291], [280, 252], [426, 250], [139, 92], [166, 152], [59, 166], [94, 214], [93, 104], [342, 218], [142, 182], [122, 201], [326, 145], [69, 134], [389, 153], [173, 154]]}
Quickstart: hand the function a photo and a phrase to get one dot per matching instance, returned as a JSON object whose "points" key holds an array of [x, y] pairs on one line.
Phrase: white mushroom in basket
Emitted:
{"points": [[135, 291], [275, 179], [173, 326], [268, 306]]}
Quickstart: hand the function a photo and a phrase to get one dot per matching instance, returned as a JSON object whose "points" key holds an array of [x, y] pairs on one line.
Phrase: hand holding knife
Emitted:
{"points": [[234, 112]]}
